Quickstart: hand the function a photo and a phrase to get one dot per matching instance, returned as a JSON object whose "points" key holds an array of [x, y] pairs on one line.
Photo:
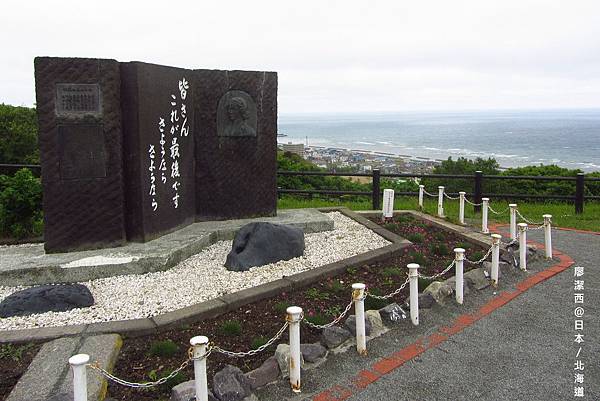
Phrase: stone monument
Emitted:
{"points": [[132, 151]]}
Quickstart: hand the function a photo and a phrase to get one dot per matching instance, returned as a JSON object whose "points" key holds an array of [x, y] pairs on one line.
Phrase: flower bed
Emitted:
{"points": [[150, 357]]}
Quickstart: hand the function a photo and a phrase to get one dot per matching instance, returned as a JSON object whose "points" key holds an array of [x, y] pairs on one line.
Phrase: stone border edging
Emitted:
{"points": [[218, 306]]}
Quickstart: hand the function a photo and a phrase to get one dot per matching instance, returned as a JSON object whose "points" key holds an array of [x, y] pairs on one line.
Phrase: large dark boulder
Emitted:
{"points": [[258, 244], [46, 298]]}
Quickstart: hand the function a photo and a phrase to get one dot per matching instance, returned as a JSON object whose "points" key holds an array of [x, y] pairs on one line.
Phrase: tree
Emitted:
{"points": [[18, 135]]}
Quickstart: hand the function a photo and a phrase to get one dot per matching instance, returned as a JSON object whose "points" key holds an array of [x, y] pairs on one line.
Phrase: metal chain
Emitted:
{"points": [[471, 203], [391, 294], [480, 260], [450, 197], [333, 322], [96, 366], [528, 221], [428, 194], [254, 351], [440, 273], [498, 213]]}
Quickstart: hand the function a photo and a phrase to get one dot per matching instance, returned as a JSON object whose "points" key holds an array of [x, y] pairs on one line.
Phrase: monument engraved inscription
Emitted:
{"points": [[77, 99], [236, 115], [82, 151]]}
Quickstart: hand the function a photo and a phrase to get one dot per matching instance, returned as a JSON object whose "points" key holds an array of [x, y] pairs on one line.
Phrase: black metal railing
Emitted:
{"points": [[478, 178]]}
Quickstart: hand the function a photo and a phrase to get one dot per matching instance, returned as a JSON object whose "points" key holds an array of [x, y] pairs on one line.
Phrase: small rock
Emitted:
{"points": [[351, 325], [46, 298], [439, 291], [533, 253], [282, 354], [477, 278], [451, 282], [186, 391], [230, 384], [373, 319], [312, 352], [334, 336], [267, 373], [426, 301], [392, 313], [261, 243]]}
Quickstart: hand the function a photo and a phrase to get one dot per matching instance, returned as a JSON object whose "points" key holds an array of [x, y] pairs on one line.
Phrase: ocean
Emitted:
{"points": [[568, 138]]}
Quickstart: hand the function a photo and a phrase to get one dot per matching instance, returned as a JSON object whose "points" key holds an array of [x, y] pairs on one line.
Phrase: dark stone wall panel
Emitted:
{"points": [[80, 212], [235, 176]]}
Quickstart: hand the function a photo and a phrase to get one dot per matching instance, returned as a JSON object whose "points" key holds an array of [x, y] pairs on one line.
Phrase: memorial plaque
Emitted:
{"points": [[236, 114], [82, 151], [78, 99]]}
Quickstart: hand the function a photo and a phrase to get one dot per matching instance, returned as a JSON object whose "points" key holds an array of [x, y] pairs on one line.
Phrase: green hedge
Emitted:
{"points": [[20, 205]]}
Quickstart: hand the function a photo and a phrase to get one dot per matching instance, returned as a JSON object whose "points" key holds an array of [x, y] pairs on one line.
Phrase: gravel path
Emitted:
{"points": [[199, 278]]}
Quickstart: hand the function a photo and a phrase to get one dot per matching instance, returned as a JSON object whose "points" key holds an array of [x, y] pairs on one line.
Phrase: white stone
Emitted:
{"points": [[197, 279]]}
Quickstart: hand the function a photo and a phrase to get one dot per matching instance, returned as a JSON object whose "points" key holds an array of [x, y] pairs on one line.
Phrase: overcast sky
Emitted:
{"points": [[332, 55]]}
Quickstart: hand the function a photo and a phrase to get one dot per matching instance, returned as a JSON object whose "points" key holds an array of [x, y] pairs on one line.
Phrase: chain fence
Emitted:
{"points": [[428, 194], [334, 321]]}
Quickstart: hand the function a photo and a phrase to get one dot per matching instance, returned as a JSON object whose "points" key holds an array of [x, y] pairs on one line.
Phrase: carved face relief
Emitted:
{"points": [[236, 115]]}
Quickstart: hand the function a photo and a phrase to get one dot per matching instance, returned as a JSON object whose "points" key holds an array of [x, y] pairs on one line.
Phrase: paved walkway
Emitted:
{"points": [[523, 350]]}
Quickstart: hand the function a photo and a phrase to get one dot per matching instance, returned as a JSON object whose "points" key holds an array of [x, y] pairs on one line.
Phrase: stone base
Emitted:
{"points": [[29, 265]]}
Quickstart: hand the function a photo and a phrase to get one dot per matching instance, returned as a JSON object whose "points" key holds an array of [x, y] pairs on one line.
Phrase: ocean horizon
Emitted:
{"points": [[566, 137]]}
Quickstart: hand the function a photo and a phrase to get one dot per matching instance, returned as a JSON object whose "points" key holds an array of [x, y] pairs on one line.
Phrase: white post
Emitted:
{"points": [[388, 203], [461, 208], [421, 189], [358, 295], [440, 201], [199, 344], [484, 215], [294, 314], [523, 246], [548, 235], [413, 276], [495, 258], [78, 365], [459, 260], [513, 220]]}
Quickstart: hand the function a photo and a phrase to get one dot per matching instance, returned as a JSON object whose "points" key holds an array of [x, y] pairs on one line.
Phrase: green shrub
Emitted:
{"points": [[464, 245], [155, 375], [424, 283], [374, 303], [439, 249], [20, 205], [418, 258], [166, 348], [317, 319], [391, 272], [258, 342], [440, 236], [476, 255], [316, 294], [281, 306], [415, 238], [14, 352], [390, 226], [337, 287], [404, 218], [231, 328]]}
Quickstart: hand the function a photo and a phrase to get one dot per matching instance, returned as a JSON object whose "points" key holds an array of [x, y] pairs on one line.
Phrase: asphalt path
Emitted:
{"points": [[523, 350]]}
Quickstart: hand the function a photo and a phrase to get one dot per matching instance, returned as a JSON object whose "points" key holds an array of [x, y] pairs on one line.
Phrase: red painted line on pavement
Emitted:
{"points": [[392, 362]]}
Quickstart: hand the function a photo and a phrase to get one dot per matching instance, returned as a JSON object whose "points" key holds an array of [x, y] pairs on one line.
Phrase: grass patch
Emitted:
{"points": [[439, 249], [415, 238], [418, 258], [391, 272], [563, 212], [155, 375], [281, 306], [258, 342], [317, 295], [374, 303], [165, 348], [14, 352], [231, 328], [317, 319]]}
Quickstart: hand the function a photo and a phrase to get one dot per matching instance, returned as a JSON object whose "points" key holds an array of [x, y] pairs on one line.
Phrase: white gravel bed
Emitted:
{"points": [[198, 278]]}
